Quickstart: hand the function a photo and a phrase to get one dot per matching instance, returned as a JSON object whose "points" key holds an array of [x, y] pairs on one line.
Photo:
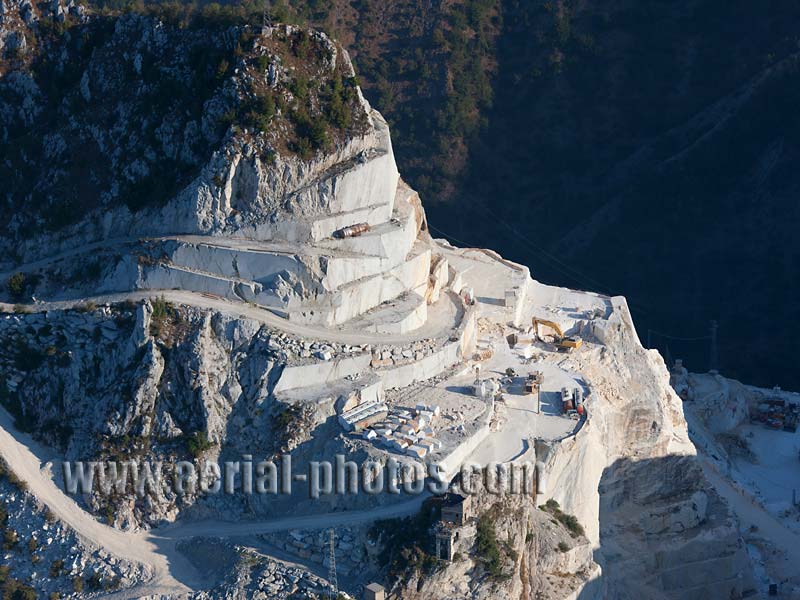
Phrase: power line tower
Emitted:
{"points": [[714, 358], [333, 590], [267, 19]]}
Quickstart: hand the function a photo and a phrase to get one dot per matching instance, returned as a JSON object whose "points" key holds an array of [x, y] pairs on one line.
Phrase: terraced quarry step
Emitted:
{"points": [[399, 316], [358, 297], [392, 238], [168, 276]]}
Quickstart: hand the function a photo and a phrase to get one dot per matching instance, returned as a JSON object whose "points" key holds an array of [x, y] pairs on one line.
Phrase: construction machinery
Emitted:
{"points": [[563, 343], [533, 381], [567, 400], [351, 231]]}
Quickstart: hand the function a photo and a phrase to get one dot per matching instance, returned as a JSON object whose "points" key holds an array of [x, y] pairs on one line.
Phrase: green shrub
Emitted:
{"points": [[260, 112], [405, 542], [563, 546], [287, 423], [299, 88], [487, 547], [569, 521], [16, 590], [161, 308], [161, 317], [56, 568], [228, 119], [86, 307], [10, 539], [16, 481], [112, 584], [342, 94], [312, 133], [301, 45], [222, 69], [551, 505], [198, 443], [95, 581], [17, 284]]}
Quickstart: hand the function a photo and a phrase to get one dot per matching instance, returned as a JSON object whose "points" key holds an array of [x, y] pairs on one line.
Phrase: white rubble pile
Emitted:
{"points": [[314, 545], [246, 574]]}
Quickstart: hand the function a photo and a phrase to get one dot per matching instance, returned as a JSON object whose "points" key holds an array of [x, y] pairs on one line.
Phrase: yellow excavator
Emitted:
{"points": [[563, 343]]}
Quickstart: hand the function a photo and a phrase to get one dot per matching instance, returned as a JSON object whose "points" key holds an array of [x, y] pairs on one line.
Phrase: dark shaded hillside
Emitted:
{"points": [[428, 67], [651, 151]]}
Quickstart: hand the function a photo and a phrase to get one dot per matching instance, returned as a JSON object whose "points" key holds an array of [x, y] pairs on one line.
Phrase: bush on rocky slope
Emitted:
{"points": [[406, 543], [569, 521], [487, 547]]}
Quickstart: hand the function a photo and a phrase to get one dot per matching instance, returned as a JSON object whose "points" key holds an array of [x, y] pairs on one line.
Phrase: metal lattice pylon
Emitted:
{"points": [[333, 591], [266, 18]]}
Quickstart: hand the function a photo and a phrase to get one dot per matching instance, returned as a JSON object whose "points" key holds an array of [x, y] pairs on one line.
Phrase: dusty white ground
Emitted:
{"points": [[773, 471], [258, 314], [777, 472], [760, 490]]}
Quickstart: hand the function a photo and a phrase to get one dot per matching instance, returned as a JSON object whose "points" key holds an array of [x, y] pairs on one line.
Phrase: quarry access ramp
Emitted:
{"points": [[262, 315]]}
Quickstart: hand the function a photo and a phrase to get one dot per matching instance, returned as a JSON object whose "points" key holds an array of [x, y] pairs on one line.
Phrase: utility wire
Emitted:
{"points": [[680, 339], [567, 270], [577, 275], [562, 267], [468, 245], [548, 260], [455, 239]]}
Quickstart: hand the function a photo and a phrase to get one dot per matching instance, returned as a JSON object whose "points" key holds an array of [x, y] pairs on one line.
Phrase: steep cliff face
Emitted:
{"points": [[154, 128], [120, 384], [653, 526], [515, 549], [156, 381]]}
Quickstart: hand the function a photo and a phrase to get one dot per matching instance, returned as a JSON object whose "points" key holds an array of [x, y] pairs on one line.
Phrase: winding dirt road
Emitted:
{"points": [[170, 572], [448, 315]]}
